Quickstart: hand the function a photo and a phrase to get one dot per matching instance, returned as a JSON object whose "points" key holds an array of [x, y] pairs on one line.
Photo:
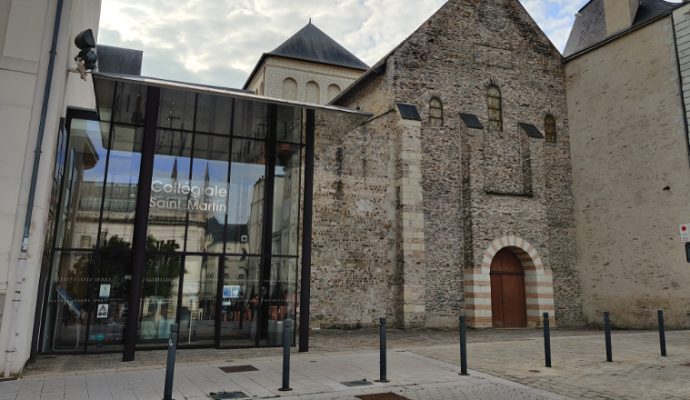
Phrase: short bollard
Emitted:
{"points": [[607, 333], [384, 364], [287, 342], [662, 332], [547, 340], [463, 346], [170, 367]]}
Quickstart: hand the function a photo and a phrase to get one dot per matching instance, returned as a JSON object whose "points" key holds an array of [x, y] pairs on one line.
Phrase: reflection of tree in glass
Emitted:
{"points": [[161, 269]]}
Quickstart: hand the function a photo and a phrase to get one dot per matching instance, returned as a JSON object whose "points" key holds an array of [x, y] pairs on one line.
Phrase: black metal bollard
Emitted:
{"points": [[170, 367], [463, 346], [662, 332], [287, 342], [547, 340], [607, 333], [384, 363]]}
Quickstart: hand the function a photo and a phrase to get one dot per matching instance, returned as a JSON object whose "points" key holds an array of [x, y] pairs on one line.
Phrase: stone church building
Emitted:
{"points": [[456, 195]]}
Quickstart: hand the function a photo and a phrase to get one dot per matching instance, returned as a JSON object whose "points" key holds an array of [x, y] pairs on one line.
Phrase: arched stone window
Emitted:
{"points": [[333, 91], [290, 89], [550, 128], [495, 103], [313, 94], [435, 112]]}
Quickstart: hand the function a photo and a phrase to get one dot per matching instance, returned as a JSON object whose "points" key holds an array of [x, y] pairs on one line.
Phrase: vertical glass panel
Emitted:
{"points": [[199, 293], [176, 110], [104, 98], [159, 299], [240, 301], [83, 185], [251, 119], [289, 124], [286, 196], [214, 114], [170, 190], [66, 311], [208, 202], [245, 201], [109, 291], [121, 186], [130, 104], [282, 297]]}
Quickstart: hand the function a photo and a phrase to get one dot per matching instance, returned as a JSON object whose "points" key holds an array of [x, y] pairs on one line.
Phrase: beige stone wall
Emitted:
{"points": [[276, 70], [630, 179]]}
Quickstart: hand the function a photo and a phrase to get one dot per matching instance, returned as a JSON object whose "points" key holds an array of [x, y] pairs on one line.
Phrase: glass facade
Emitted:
{"points": [[223, 193]]}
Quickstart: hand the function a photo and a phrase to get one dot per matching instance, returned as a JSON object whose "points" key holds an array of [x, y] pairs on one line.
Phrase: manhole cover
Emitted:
{"points": [[363, 382], [228, 395], [381, 396], [237, 368]]}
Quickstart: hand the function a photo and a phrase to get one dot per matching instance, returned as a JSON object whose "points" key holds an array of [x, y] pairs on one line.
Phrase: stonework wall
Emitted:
{"points": [[630, 178], [276, 69], [478, 187], [354, 274]]}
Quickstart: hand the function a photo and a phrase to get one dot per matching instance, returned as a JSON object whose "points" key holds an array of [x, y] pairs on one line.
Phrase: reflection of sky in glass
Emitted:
{"points": [[124, 169]]}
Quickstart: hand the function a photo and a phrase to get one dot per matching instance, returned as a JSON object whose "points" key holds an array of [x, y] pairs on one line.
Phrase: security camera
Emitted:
{"points": [[87, 58]]}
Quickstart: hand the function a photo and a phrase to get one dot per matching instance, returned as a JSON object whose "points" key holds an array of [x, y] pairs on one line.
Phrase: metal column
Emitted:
{"points": [[305, 282], [141, 222]]}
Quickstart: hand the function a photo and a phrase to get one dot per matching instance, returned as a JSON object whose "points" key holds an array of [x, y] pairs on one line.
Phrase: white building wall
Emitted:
{"points": [[26, 29]]}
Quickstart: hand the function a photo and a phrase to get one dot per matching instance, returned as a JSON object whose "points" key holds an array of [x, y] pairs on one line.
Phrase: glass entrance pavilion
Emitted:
{"points": [[179, 203]]}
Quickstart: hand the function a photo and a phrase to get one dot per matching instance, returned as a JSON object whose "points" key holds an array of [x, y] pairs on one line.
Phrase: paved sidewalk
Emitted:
{"points": [[580, 370], [313, 376]]}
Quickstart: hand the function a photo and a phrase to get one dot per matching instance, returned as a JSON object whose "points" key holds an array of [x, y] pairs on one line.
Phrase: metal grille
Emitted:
{"points": [[238, 368], [381, 396], [228, 395], [363, 382]]}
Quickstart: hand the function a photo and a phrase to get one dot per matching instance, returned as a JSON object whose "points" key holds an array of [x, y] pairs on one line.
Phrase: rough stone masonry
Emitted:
{"points": [[409, 214]]}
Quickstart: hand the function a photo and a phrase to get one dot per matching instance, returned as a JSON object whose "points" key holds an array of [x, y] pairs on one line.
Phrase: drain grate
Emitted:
{"points": [[228, 395], [381, 396], [238, 368], [363, 382]]}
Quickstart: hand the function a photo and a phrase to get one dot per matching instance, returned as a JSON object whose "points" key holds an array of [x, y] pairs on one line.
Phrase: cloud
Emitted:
{"points": [[218, 42]]}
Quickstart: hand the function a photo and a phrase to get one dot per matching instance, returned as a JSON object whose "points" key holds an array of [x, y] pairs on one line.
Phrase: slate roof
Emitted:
{"points": [[590, 23], [312, 44]]}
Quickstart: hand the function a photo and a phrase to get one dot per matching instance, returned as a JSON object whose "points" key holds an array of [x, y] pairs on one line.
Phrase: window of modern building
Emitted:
{"points": [[435, 112], [222, 227], [550, 129], [313, 93], [495, 105]]}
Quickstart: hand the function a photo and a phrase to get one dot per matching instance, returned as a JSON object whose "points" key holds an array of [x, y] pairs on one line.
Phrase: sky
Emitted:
{"points": [[219, 42]]}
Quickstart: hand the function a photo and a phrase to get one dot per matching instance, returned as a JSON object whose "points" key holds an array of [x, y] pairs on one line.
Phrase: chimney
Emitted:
{"points": [[620, 14]]}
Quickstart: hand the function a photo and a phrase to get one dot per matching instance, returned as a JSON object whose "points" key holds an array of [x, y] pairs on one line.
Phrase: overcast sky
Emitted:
{"points": [[219, 41]]}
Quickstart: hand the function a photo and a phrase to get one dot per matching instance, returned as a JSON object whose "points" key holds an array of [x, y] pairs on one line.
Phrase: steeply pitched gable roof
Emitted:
{"points": [[312, 44], [589, 28]]}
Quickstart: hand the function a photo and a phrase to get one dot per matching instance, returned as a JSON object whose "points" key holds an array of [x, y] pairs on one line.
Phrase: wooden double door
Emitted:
{"points": [[508, 302]]}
